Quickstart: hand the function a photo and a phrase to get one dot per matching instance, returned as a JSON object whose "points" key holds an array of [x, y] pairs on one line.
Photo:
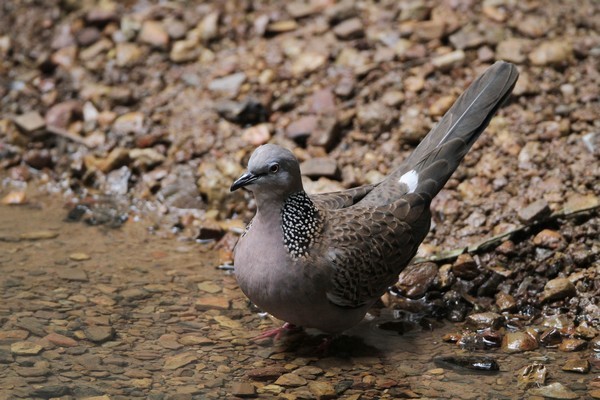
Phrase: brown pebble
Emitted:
{"points": [[243, 389], [549, 239], [572, 345], [465, 267], [576, 365], [516, 342]]}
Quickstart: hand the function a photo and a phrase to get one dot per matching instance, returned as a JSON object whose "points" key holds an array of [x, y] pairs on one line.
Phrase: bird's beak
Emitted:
{"points": [[243, 180]]}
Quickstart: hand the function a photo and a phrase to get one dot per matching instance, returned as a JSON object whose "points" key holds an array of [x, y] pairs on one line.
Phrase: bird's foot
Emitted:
{"points": [[277, 333]]}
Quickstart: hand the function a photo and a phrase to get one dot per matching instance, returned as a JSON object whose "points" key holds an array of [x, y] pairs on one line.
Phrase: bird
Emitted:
{"points": [[322, 260]]}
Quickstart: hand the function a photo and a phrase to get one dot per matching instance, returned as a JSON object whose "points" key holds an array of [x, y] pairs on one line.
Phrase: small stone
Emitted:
{"points": [[258, 134], [467, 38], [212, 303], [577, 202], [15, 197], [558, 289], [516, 342], [229, 84], [569, 345], [170, 341], [555, 52], [30, 122], [549, 239], [534, 25], [60, 340], [322, 390], [374, 116], [551, 337], [485, 320], [307, 62], [505, 301], [60, 115], [465, 267], [555, 390], [227, 322], [99, 334], [535, 211], [184, 50], [209, 287], [576, 365], [290, 380], [79, 257], [194, 340], [25, 348], [416, 279], [179, 360], [302, 127], [266, 373], [532, 375], [449, 60], [513, 50], [349, 29], [154, 34], [282, 26], [209, 26], [429, 30], [72, 274], [15, 335], [127, 54], [441, 105], [50, 391], [243, 389], [132, 122], [320, 166]]}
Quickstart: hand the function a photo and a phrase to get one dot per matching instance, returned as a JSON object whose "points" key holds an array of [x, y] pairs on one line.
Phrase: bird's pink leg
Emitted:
{"points": [[276, 333]]}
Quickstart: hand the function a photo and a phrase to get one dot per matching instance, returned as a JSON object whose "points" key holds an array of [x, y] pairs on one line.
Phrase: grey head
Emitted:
{"points": [[273, 174]]}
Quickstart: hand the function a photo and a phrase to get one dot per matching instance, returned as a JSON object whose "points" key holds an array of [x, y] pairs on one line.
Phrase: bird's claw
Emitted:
{"points": [[277, 333]]}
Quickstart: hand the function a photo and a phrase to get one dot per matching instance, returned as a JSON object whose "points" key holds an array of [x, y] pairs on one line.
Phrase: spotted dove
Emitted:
{"points": [[320, 261]]}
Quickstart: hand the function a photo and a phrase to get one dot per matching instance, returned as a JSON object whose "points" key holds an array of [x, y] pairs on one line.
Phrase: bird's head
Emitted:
{"points": [[273, 172]]}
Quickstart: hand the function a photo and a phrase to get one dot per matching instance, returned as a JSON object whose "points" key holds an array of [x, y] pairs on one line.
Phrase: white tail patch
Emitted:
{"points": [[410, 179]]}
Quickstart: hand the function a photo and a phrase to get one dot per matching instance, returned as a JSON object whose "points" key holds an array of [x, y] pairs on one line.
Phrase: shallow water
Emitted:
{"points": [[182, 329]]}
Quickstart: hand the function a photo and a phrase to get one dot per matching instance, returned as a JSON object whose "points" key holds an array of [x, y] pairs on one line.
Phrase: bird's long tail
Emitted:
{"points": [[434, 160]]}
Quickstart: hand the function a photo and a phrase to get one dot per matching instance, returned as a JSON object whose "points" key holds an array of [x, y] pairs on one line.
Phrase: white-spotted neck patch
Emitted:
{"points": [[301, 223], [410, 179]]}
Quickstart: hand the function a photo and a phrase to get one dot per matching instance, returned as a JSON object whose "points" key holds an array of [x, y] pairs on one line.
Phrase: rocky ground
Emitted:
{"points": [[140, 115]]}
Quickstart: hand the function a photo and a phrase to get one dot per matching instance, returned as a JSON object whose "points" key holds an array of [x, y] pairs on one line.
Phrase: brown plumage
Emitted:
{"points": [[322, 260]]}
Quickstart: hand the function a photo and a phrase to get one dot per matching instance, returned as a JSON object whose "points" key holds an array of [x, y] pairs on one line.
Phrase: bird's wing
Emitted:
{"points": [[368, 247], [341, 199]]}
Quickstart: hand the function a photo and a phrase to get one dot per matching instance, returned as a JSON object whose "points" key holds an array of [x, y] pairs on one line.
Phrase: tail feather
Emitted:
{"points": [[440, 152]]}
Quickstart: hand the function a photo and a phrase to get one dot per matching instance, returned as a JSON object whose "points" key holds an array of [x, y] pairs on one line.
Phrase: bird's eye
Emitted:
{"points": [[274, 168]]}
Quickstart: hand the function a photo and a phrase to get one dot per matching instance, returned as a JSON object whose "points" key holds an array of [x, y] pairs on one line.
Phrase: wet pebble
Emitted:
{"points": [[25, 348], [577, 365], [505, 301], [554, 390], [532, 375], [485, 320], [516, 342], [243, 389], [98, 333], [416, 279], [266, 373], [570, 344], [179, 360], [465, 267], [474, 363], [60, 340], [550, 337], [557, 289], [291, 380]]}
